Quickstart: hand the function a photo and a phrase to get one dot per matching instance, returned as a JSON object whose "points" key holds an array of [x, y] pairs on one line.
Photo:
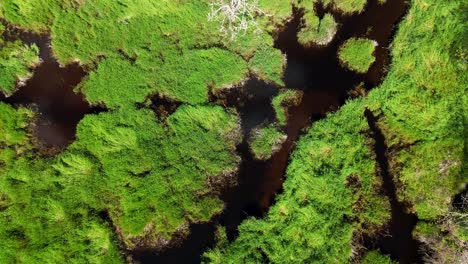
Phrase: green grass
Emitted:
{"points": [[16, 61], [154, 177], [317, 31], [284, 100], [421, 108], [357, 54], [37, 223], [266, 141]]}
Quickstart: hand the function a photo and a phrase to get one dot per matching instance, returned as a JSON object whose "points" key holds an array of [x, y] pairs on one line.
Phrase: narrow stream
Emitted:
{"points": [[400, 245]]}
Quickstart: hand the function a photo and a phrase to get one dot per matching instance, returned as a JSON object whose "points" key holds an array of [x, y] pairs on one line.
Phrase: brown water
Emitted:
{"points": [[50, 93]]}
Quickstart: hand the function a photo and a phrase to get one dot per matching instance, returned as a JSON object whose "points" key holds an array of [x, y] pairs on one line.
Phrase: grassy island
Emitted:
{"points": [[357, 54], [264, 142], [316, 31]]}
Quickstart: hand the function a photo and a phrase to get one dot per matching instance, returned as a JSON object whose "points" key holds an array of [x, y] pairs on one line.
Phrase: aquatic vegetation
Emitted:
{"points": [[52, 230], [266, 141], [358, 54], [316, 31], [16, 62], [283, 101]]}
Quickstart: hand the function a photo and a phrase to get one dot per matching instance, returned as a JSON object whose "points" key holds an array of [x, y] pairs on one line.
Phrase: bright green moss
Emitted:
{"points": [[283, 101], [317, 31], [264, 142], [16, 61], [357, 54], [375, 257]]}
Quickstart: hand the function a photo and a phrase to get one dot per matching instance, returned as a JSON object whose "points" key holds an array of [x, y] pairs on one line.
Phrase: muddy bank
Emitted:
{"points": [[399, 243], [49, 92]]}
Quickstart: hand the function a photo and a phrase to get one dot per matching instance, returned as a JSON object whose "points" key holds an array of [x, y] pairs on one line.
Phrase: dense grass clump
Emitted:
{"points": [[316, 31], [16, 61], [357, 54], [154, 180], [266, 141], [283, 101], [169, 46]]}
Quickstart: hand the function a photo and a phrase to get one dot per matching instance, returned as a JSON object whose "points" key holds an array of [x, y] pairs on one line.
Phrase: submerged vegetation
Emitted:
{"points": [[136, 180]]}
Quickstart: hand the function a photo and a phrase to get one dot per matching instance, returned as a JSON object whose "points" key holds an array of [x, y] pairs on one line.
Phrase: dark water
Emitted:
{"points": [[50, 93]]}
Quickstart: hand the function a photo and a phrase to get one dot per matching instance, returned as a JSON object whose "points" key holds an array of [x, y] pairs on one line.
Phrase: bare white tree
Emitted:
{"points": [[235, 16]]}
